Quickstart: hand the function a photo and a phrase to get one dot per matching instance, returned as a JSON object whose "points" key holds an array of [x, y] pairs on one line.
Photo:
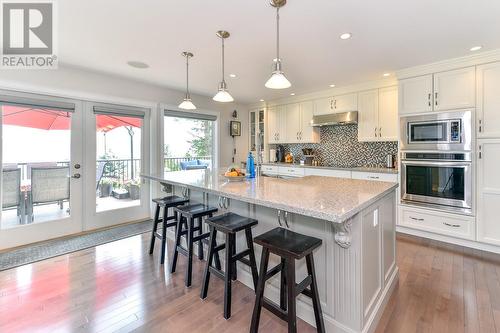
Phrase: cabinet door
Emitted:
{"points": [[415, 94], [367, 115], [488, 191], [488, 100], [323, 106], [344, 103], [281, 123], [455, 89], [292, 123], [272, 125], [388, 114], [307, 134]]}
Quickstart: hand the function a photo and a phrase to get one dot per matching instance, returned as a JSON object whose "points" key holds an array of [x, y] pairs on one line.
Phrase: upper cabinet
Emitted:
{"points": [[377, 114], [488, 100], [341, 103], [256, 127], [437, 92], [291, 123]]}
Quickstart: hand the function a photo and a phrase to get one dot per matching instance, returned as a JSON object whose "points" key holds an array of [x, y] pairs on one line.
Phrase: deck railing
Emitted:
{"points": [[174, 163]]}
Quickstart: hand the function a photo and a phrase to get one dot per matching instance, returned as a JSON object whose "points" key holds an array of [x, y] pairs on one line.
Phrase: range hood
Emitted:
{"points": [[343, 118]]}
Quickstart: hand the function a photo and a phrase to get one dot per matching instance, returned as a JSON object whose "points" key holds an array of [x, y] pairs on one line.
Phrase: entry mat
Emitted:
{"points": [[53, 248]]}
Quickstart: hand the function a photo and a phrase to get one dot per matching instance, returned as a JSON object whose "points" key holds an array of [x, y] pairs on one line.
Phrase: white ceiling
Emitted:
{"points": [[387, 35]]}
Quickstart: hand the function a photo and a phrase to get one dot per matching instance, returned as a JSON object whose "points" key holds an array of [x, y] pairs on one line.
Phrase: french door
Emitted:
{"points": [[41, 159]]}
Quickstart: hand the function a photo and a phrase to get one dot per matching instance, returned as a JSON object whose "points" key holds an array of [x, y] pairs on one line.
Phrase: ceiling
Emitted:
{"points": [[387, 35]]}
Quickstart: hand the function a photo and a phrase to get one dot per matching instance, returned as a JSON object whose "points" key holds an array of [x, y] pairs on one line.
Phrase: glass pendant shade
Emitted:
{"points": [[187, 104], [223, 95]]}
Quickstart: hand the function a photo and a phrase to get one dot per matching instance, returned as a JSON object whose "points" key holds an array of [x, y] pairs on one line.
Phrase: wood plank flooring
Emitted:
{"points": [[118, 287]]}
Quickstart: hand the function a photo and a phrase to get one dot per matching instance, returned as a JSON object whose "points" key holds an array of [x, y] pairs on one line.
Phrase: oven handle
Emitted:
{"points": [[438, 163]]}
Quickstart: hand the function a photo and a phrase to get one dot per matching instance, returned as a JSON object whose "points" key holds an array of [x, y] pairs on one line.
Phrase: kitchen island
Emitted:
{"points": [[355, 219]]}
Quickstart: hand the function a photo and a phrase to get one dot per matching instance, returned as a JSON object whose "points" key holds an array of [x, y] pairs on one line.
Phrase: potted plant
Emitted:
{"points": [[105, 187], [134, 189]]}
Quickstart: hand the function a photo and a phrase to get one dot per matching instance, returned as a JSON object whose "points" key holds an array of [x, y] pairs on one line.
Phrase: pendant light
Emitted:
{"points": [[223, 95], [186, 103], [278, 79]]}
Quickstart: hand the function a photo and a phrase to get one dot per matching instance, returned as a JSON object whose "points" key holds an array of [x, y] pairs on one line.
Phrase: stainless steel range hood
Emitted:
{"points": [[343, 118]]}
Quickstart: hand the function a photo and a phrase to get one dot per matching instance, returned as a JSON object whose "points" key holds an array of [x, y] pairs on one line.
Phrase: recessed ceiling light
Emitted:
{"points": [[261, 100], [332, 85], [387, 74], [232, 75], [476, 48], [137, 64], [346, 35], [292, 94]]}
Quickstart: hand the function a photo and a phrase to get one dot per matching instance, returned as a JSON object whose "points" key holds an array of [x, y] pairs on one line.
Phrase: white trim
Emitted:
{"points": [[449, 64]]}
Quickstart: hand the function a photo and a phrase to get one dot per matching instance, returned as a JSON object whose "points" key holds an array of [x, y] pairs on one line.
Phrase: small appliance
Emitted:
{"points": [[280, 154], [272, 155], [308, 156], [390, 161]]}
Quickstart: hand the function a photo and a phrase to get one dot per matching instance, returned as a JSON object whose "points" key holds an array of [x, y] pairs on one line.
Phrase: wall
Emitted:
{"points": [[89, 85], [339, 147]]}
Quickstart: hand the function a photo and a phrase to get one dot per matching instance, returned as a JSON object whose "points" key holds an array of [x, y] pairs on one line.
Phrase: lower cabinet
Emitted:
{"points": [[488, 191], [383, 177], [454, 225], [328, 173]]}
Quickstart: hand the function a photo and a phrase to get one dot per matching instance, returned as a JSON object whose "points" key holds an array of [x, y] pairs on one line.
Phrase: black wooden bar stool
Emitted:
{"points": [[165, 203], [229, 224], [186, 226], [290, 246]]}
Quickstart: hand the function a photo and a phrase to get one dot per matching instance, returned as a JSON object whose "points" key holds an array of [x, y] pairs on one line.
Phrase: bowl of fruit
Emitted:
{"points": [[234, 174]]}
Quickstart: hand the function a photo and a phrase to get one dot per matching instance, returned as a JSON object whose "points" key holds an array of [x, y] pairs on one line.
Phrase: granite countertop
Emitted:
{"points": [[361, 169], [326, 198]]}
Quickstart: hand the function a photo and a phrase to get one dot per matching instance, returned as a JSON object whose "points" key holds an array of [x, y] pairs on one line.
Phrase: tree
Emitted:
{"points": [[201, 144]]}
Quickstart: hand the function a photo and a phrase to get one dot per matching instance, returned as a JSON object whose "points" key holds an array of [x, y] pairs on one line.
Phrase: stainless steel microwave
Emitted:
{"points": [[441, 131]]}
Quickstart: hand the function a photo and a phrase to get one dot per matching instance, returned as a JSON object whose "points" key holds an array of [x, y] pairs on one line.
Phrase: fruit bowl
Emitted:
{"points": [[234, 175]]}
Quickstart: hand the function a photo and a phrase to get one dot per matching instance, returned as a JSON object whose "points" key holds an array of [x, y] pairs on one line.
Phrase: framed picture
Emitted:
{"points": [[235, 128]]}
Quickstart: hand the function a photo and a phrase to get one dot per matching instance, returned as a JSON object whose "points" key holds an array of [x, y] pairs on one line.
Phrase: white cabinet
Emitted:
{"points": [[293, 123], [383, 177], [377, 115], [269, 170], [276, 124], [291, 171], [256, 128], [437, 92], [488, 100], [388, 113], [328, 173], [455, 89], [415, 94], [322, 106], [307, 134], [488, 191], [344, 103]]}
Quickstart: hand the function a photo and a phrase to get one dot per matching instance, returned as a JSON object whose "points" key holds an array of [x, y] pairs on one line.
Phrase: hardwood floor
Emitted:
{"points": [[119, 287]]}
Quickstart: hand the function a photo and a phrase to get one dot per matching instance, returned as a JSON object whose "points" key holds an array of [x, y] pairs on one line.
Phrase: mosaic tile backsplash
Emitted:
{"points": [[339, 147]]}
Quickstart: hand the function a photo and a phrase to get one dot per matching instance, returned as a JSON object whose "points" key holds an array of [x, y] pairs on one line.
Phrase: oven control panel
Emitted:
{"points": [[455, 131]]}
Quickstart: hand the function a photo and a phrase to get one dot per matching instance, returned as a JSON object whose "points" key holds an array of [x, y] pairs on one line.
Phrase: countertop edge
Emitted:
{"points": [[269, 204]]}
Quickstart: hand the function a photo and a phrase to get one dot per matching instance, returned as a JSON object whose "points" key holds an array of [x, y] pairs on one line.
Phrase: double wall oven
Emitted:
{"points": [[436, 161]]}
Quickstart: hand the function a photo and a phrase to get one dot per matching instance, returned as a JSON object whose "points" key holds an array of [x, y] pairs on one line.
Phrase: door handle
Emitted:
{"points": [[76, 176]]}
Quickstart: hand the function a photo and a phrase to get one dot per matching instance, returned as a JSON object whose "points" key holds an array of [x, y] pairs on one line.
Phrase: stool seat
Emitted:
{"points": [[231, 222], [170, 200], [288, 243], [195, 210]]}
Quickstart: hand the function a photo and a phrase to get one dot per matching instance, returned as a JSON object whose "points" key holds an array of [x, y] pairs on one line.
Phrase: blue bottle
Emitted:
{"points": [[250, 166]]}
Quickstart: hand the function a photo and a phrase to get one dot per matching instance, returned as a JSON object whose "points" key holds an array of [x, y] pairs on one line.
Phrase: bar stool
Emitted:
{"points": [[185, 226], [229, 224], [290, 246], [165, 203]]}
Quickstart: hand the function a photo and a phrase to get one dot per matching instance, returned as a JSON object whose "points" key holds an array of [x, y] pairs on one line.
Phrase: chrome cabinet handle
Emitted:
{"points": [[480, 151], [375, 132], [452, 225], [335, 104], [286, 220], [279, 218], [416, 219], [480, 125], [331, 104], [373, 177], [429, 99], [436, 98]]}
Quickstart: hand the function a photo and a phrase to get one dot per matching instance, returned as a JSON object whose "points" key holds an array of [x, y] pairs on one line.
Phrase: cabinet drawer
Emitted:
{"points": [[328, 173], [270, 170], [291, 171], [440, 223], [382, 177]]}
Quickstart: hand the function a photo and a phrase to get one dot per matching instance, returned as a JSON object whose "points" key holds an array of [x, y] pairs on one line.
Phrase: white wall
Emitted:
{"points": [[84, 84]]}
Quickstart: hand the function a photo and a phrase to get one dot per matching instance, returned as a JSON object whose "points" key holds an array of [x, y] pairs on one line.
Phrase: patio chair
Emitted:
{"points": [[192, 165], [35, 165], [12, 195], [48, 185]]}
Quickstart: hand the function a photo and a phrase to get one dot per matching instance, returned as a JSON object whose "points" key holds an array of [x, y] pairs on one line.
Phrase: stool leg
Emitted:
{"points": [[264, 259], [206, 275], [234, 275], [283, 290], [155, 227], [189, 270], [200, 242], [253, 264], [164, 235], [228, 274], [177, 243], [290, 289], [318, 315]]}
